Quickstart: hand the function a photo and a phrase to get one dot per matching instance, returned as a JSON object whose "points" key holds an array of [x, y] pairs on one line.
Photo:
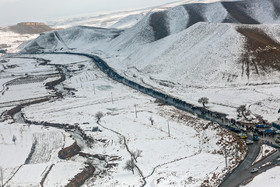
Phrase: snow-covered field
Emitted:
{"points": [[27, 151], [269, 178], [13, 40], [191, 155], [17, 171], [265, 151], [23, 79]]}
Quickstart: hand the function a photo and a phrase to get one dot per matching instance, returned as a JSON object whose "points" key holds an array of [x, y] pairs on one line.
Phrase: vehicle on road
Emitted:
{"points": [[235, 129], [255, 137], [248, 142], [242, 135], [263, 126], [254, 170], [270, 131]]}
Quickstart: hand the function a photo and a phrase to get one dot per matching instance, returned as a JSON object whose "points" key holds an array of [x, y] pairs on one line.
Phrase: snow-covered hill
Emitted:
{"points": [[191, 46], [186, 43]]}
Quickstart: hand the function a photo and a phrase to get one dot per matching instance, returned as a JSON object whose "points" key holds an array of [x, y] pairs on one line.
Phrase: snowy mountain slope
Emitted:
{"points": [[159, 24], [209, 58], [71, 38], [192, 46], [120, 19], [180, 57], [173, 20]]}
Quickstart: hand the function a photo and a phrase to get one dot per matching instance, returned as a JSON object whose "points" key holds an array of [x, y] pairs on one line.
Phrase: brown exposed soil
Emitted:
{"points": [[18, 108], [70, 151], [30, 28], [80, 178], [46, 175], [262, 53]]}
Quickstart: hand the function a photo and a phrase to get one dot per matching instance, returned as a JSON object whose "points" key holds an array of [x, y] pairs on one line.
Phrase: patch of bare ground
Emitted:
{"points": [[69, 152], [80, 178], [30, 28], [46, 175], [261, 52]]}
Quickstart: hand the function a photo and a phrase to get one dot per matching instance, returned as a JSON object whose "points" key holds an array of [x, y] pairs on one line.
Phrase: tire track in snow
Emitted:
{"points": [[128, 150], [13, 175]]}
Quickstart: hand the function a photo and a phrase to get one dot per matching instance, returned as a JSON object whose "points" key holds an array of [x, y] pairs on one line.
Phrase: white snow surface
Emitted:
{"points": [[269, 178], [14, 154], [203, 60], [185, 66], [14, 40], [265, 151], [187, 144]]}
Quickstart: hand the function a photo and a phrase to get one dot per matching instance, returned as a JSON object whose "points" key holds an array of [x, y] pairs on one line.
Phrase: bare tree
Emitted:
{"points": [[135, 106], [136, 154], [259, 118], [242, 110], [151, 120], [203, 101], [14, 139], [130, 165], [98, 116]]}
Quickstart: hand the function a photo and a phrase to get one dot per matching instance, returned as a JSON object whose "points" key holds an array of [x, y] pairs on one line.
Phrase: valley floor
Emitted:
{"points": [[191, 155]]}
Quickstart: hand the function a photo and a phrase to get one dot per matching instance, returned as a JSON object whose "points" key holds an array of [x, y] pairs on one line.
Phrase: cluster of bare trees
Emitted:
{"points": [[130, 164], [243, 111]]}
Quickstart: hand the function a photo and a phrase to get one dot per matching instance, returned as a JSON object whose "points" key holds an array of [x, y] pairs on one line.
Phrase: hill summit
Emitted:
{"points": [[30, 28]]}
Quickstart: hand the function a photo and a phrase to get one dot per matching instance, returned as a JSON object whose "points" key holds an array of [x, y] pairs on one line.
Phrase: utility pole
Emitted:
{"points": [[112, 97], [168, 128], [236, 151], [135, 110], [1, 177], [225, 152]]}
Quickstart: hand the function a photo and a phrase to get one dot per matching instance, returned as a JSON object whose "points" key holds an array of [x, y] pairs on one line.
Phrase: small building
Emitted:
{"points": [[276, 124]]}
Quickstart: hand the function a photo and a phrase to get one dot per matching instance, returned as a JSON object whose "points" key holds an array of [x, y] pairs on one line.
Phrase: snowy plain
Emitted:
{"points": [[269, 178], [192, 154]]}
